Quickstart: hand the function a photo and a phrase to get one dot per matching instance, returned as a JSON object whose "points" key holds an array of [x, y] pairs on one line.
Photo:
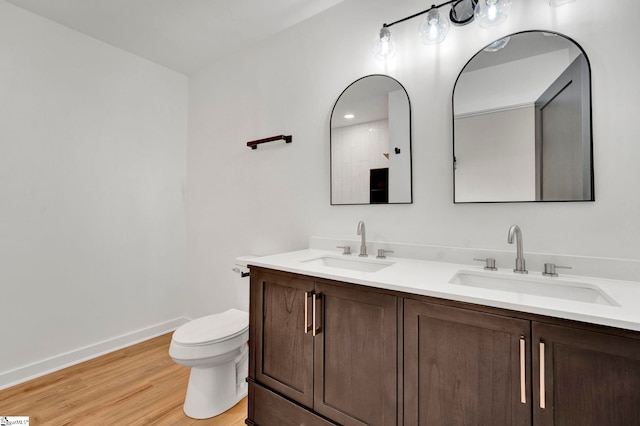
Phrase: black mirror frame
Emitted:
{"points": [[453, 159], [410, 145]]}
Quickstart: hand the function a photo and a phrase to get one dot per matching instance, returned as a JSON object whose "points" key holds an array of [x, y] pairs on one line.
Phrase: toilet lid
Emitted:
{"points": [[212, 328]]}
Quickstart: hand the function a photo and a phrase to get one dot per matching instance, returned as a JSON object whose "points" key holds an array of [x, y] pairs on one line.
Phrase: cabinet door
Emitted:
{"points": [[590, 379], [356, 356], [463, 367], [283, 352]]}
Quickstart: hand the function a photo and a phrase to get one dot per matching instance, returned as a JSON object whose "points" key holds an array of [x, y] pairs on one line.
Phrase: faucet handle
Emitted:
{"points": [[346, 250], [550, 269], [382, 253], [489, 263]]}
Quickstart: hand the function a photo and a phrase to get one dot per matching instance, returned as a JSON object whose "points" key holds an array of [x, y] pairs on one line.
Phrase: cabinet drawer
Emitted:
{"points": [[270, 409]]}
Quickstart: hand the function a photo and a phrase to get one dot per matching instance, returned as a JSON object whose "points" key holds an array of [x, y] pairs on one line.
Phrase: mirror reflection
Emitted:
{"points": [[370, 135], [522, 122]]}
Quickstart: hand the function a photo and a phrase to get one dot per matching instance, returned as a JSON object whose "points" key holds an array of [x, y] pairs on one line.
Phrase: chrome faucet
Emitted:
{"points": [[520, 267], [363, 240]]}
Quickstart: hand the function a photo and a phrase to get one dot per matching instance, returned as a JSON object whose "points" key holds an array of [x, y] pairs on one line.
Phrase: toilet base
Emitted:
{"points": [[213, 390]]}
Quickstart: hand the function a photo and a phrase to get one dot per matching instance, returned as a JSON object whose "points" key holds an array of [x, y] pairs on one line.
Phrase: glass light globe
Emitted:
{"points": [[490, 13], [497, 45], [384, 47], [556, 3], [434, 28]]}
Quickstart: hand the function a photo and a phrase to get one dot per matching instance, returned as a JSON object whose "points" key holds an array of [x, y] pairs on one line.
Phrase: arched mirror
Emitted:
{"points": [[522, 122], [371, 143]]}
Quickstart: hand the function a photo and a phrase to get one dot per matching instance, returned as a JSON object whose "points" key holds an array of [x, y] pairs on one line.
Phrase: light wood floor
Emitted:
{"points": [[138, 385]]}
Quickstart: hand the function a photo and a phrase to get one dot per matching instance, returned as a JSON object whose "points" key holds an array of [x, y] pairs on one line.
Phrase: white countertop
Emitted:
{"points": [[431, 278]]}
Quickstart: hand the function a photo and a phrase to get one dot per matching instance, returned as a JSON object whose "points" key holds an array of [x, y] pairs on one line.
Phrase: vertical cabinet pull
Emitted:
{"points": [[307, 326], [315, 310], [523, 377], [542, 384], [313, 314], [312, 326]]}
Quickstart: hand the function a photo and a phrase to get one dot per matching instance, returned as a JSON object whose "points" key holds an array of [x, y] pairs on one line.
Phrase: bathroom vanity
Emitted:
{"points": [[363, 341]]}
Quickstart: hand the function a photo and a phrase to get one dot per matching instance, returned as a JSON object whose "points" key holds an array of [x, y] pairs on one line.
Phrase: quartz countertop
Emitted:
{"points": [[431, 278]]}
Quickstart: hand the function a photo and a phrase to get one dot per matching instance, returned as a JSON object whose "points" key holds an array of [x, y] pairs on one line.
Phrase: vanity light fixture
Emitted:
{"points": [[491, 13], [384, 47], [349, 116], [434, 28], [556, 3]]}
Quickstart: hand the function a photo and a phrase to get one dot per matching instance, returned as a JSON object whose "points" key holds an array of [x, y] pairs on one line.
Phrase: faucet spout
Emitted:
{"points": [[515, 231], [363, 240]]}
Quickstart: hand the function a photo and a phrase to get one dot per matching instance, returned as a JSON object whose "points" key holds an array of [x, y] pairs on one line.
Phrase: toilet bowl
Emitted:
{"points": [[215, 348]]}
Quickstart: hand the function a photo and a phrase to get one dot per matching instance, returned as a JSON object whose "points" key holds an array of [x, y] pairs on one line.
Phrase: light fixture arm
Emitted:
{"points": [[418, 14], [434, 28]]}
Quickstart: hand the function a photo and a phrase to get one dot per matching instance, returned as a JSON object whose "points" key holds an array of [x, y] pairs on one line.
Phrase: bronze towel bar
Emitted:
{"points": [[254, 144]]}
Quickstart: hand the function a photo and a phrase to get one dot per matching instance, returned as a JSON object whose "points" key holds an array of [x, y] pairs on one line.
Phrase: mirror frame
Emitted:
{"points": [[591, 166], [410, 146]]}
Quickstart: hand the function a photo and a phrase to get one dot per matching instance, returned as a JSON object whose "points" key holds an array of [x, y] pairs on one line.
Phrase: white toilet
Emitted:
{"points": [[215, 348]]}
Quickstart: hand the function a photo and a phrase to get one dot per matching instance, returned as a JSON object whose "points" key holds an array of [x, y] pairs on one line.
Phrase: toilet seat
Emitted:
{"points": [[211, 339], [212, 329]]}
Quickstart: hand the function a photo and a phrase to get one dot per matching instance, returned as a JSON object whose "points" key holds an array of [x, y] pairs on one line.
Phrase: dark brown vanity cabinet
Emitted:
{"points": [[584, 377], [468, 367], [327, 353], [330, 348], [464, 368]]}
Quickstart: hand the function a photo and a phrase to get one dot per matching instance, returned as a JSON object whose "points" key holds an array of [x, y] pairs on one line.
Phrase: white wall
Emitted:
{"points": [[399, 137], [501, 166], [502, 85], [92, 175], [272, 199]]}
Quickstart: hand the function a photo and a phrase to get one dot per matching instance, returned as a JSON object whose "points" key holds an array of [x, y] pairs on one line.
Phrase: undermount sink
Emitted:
{"points": [[559, 289], [349, 263]]}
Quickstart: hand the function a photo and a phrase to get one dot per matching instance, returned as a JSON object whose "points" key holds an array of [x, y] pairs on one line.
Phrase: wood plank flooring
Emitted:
{"points": [[138, 385]]}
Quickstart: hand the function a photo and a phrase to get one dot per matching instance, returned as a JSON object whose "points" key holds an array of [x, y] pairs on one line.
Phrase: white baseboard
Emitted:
{"points": [[58, 362]]}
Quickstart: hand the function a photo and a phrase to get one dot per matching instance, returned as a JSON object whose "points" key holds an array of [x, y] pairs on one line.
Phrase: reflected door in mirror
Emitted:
{"points": [[563, 138]]}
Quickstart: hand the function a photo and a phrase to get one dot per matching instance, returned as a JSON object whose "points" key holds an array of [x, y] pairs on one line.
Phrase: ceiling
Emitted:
{"points": [[184, 35]]}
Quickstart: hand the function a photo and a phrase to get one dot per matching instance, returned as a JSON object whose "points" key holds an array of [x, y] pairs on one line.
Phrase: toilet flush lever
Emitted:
{"points": [[242, 274]]}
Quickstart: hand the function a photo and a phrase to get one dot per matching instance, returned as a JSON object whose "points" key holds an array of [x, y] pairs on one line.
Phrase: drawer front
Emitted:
{"points": [[270, 409]]}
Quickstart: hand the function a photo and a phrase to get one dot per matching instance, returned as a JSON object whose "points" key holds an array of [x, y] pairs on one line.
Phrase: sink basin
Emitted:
{"points": [[349, 263], [542, 286]]}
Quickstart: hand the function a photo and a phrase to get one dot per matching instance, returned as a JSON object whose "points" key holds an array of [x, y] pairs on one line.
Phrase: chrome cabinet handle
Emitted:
{"points": [[542, 384], [523, 377], [307, 326]]}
